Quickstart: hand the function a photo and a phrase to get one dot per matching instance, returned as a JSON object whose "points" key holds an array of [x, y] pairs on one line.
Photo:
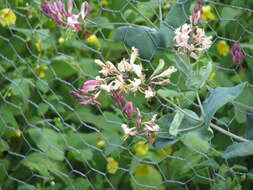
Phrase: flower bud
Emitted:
{"points": [[237, 54]]}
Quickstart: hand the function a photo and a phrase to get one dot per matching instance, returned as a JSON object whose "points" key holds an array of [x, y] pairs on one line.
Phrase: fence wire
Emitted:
{"points": [[49, 141]]}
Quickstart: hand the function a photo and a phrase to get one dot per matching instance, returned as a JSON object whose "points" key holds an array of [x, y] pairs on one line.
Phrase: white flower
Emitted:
{"points": [[166, 73], [135, 84], [137, 69], [129, 131], [107, 68], [151, 126], [134, 55], [124, 66], [149, 93]]}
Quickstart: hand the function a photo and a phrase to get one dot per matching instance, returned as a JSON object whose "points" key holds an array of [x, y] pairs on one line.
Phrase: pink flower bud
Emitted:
{"points": [[129, 109], [237, 54]]}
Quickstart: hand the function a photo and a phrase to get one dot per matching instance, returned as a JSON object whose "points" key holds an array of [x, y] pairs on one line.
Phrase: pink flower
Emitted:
{"points": [[129, 109], [237, 54], [92, 87], [196, 17], [56, 11]]}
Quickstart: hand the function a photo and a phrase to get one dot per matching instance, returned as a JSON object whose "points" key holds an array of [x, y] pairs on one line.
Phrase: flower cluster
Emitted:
{"points": [[192, 40], [126, 77], [56, 11]]}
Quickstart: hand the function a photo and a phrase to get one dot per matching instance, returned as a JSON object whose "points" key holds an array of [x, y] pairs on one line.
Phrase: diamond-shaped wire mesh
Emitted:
{"points": [[49, 141]]}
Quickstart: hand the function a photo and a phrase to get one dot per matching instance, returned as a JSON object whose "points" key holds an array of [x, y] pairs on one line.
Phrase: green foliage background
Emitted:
{"points": [[48, 141]]}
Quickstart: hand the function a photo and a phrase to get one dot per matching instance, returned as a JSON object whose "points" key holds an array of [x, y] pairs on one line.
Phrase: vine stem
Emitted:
{"points": [[216, 127]]}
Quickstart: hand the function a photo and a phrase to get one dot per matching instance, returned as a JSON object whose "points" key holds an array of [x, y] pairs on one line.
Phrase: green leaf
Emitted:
{"points": [[20, 87], [3, 145], [200, 77], [146, 175], [195, 141], [239, 150], [176, 123], [219, 97], [147, 40], [176, 17], [49, 141], [162, 143]]}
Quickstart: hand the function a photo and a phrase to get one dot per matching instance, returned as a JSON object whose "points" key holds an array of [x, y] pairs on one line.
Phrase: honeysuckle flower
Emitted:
{"points": [[141, 148], [129, 109], [124, 66], [91, 87], [7, 17], [135, 84], [195, 18], [119, 100], [129, 131], [237, 54], [112, 165], [107, 67], [151, 126], [57, 12], [222, 47], [191, 40], [149, 93], [207, 13], [134, 55], [167, 73]]}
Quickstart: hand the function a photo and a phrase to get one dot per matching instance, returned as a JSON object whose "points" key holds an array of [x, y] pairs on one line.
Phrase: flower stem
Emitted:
{"points": [[228, 133]]}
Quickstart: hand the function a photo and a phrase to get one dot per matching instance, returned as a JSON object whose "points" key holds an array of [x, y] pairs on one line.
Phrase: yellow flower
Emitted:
{"points": [[7, 17], [141, 148], [112, 165], [103, 3], [222, 47], [142, 170], [165, 151], [38, 45], [206, 13], [42, 74], [17, 133], [92, 39], [61, 40], [101, 144]]}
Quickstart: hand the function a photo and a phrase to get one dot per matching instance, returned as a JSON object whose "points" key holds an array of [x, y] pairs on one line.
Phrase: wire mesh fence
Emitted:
{"points": [[49, 141]]}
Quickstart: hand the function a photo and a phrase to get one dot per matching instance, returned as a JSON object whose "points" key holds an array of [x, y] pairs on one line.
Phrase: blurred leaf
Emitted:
{"points": [[162, 143], [20, 87], [239, 150], [48, 141], [3, 145], [200, 77], [79, 184], [147, 176], [147, 40], [40, 163], [174, 125], [219, 97]]}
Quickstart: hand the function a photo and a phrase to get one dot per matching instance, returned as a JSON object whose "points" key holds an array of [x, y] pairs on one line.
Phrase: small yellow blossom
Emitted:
{"points": [[142, 170], [61, 40], [141, 148], [103, 3], [207, 13], [165, 151], [38, 45], [17, 133], [101, 144], [92, 39], [112, 165], [42, 74], [7, 17], [222, 47]]}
